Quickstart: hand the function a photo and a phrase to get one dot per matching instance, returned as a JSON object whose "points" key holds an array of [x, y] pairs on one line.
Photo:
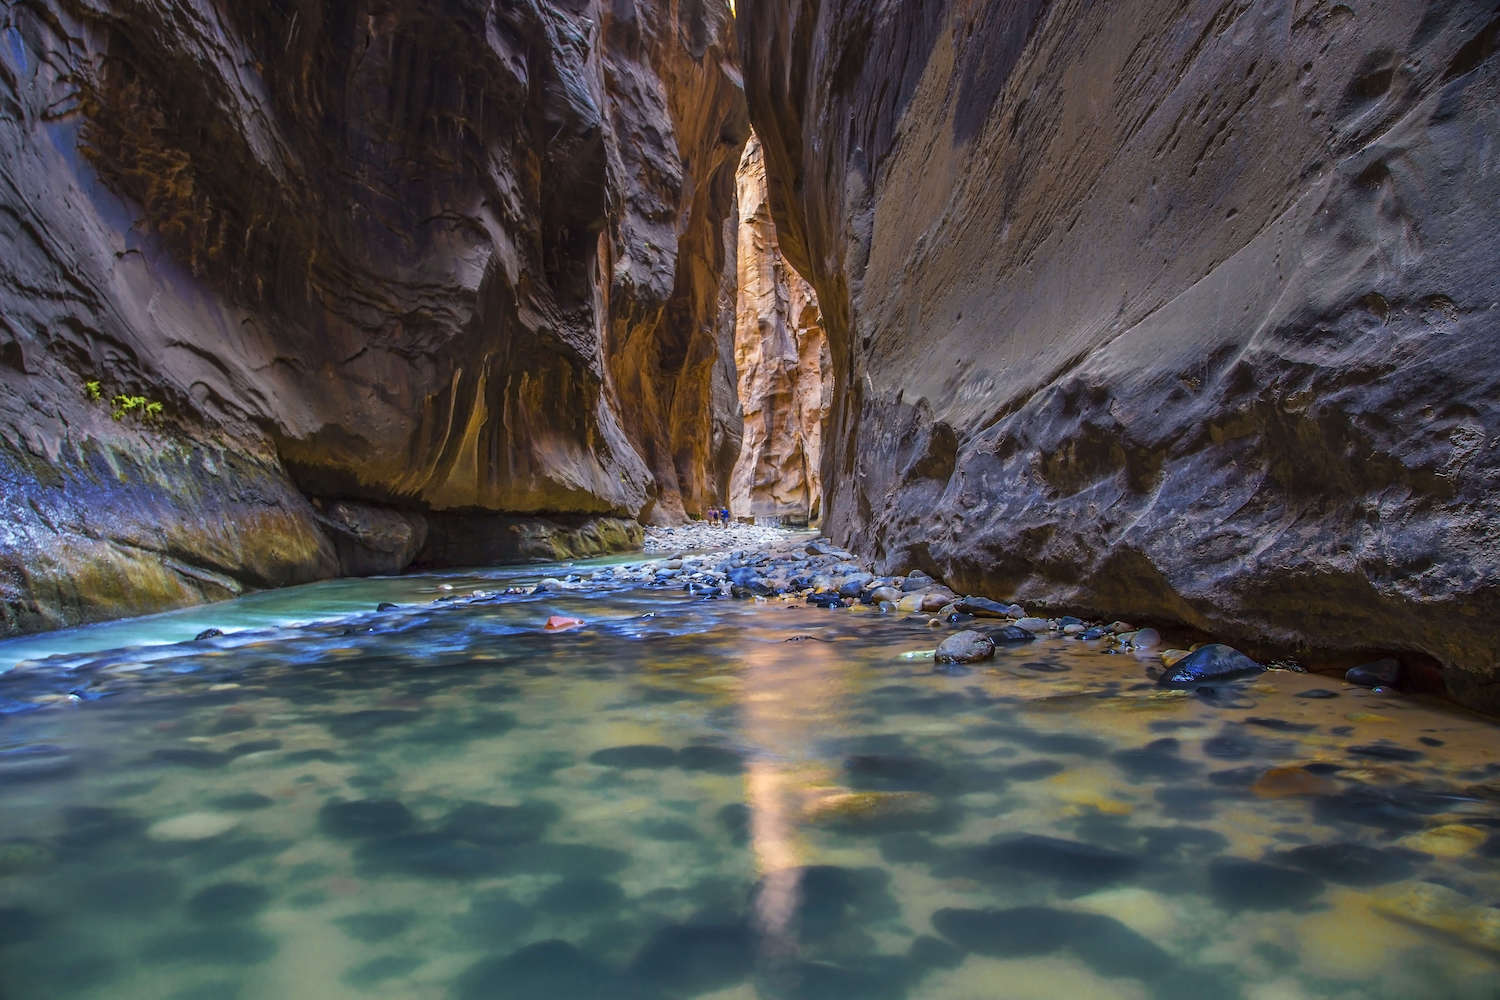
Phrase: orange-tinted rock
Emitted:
{"points": [[781, 355], [434, 258], [1290, 782]]}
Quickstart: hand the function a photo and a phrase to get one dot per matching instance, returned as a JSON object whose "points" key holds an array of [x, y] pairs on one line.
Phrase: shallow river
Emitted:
{"points": [[712, 799]]}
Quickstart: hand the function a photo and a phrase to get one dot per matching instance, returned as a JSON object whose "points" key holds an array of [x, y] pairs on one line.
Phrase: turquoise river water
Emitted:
{"points": [[712, 799]]}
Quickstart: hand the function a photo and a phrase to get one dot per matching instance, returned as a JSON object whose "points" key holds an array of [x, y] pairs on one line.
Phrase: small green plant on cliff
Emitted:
{"points": [[124, 404]]}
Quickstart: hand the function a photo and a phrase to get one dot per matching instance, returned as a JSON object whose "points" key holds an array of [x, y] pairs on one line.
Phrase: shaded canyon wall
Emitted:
{"points": [[781, 356], [297, 288], [1156, 307]]}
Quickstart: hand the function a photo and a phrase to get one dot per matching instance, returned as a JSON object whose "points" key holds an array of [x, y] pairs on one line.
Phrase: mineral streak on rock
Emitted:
{"points": [[360, 272], [1172, 307], [781, 355]]}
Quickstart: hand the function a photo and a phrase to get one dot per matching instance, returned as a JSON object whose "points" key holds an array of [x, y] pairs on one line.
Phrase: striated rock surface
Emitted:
{"points": [[781, 355], [429, 259], [1178, 308]]}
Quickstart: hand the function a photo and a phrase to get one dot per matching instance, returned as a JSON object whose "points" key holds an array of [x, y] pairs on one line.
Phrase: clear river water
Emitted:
{"points": [[712, 799]]}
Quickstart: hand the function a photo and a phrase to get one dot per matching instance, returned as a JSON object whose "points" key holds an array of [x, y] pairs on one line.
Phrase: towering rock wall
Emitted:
{"points": [[357, 273], [1171, 307], [781, 356]]}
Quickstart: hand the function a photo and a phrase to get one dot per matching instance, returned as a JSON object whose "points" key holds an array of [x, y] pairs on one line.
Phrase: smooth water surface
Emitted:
{"points": [[692, 798]]}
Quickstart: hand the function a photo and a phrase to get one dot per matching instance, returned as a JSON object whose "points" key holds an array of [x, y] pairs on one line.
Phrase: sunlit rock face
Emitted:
{"points": [[781, 357], [437, 257], [1176, 309]]}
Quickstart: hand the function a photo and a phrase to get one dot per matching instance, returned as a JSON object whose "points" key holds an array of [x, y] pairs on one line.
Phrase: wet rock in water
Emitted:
{"points": [[1451, 840], [964, 647], [547, 970], [916, 580], [254, 746], [98, 826], [1279, 725], [550, 858], [884, 595], [133, 891], [369, 722], [735, 821], [671, 830], [19, 924], [1146, 638], [483, 823], [378, 970], [1032, 770], [1214, 662], [40, 762], [494, 916], [190, 757], [825, 599], [387, 606], [228, 901], [714, 760], [364, 818], [374, 927], [827, 898], [1442, 909], [1386, 750], [643, 756], [853, 587], [894, 772], [192, 826], [1069, 861], [1241, 884], [562, 623], [981, 607], [1047, 667], [575, 896], [1317, 693], [1103, 943], [868, 978], [1351, 864], [927, 953], [1012, 635], [690, 959], [428, 854], [1038, 625], [874, 812], [1232, 746], [1157, 759], [1385, 672], [1290, 782], [1382, 808], [228, 945], [208, 633]]}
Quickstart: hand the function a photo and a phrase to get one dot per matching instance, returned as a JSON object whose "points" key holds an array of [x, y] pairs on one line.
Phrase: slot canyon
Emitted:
{"points": [[761, 500]]}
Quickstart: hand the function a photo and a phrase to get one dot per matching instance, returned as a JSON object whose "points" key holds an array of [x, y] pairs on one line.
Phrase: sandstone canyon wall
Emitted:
{"points": [[1176, 307], [312, 286], [782, 360]]}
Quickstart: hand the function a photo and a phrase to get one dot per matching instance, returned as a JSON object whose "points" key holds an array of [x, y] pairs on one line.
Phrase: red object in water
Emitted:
{"points": [[561, 623]]}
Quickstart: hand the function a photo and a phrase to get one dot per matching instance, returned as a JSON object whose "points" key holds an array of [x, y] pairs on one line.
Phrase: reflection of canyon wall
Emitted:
{"points": [[1177, 308], [385, 268], [781, 354]]}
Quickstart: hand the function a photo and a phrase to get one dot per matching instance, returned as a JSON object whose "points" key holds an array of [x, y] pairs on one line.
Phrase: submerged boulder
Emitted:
{"points": [[967, 646]]}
